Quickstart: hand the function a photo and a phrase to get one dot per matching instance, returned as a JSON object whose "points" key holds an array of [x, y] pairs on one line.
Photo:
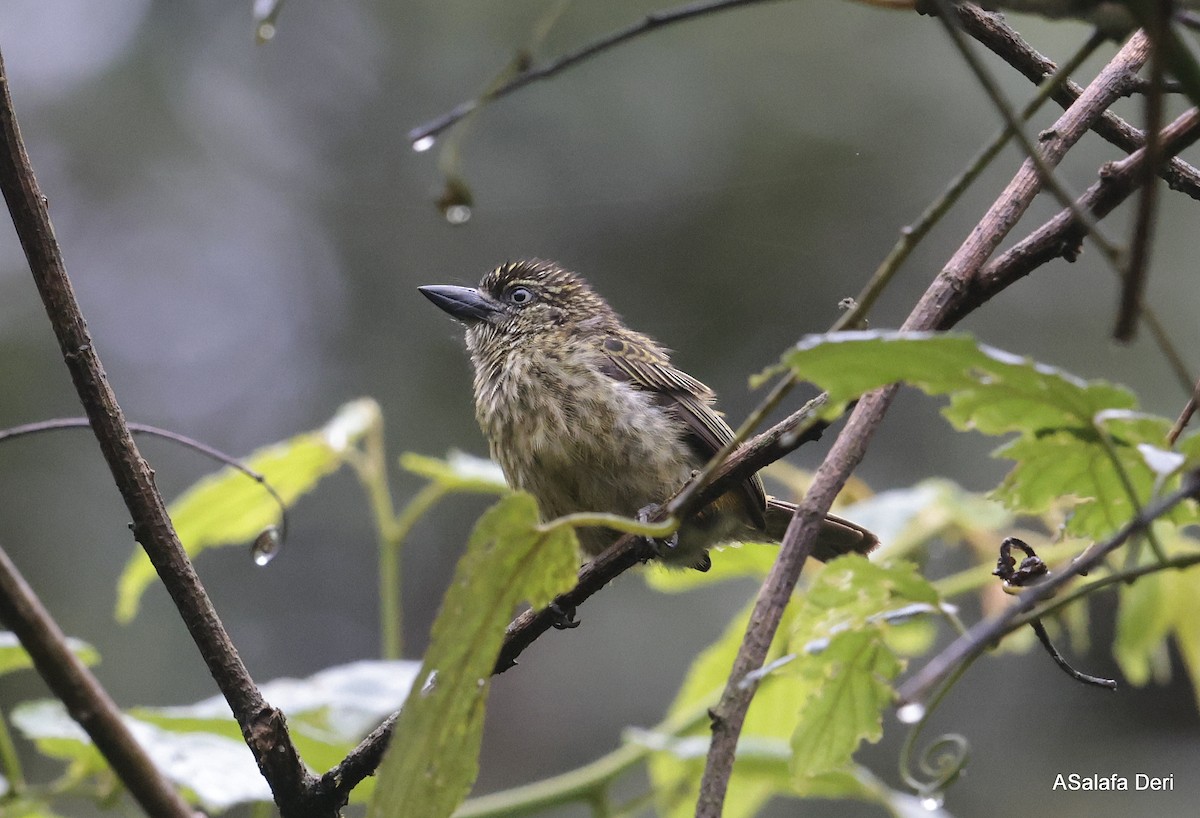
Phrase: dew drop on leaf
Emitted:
{"points": [[423, 144]]}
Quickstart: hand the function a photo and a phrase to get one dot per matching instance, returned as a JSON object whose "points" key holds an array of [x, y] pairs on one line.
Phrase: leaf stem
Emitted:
{"points": [[10, 762], [581, 784], [370, 464]]}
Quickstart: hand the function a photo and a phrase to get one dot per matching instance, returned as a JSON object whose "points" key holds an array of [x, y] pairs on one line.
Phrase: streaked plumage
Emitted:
{"points": [[588, 415]]}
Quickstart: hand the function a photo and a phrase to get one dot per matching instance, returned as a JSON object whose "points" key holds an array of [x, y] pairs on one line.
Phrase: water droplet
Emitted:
{"points": [[430, 683], [265, 32], [423, 144], [911, 713], [933, 801], [266, 545], [456, 201], [458, 214]]}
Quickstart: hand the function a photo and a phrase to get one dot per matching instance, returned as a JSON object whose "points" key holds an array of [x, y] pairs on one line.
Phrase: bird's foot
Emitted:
{"points": [[563, 618], [663, 548]]}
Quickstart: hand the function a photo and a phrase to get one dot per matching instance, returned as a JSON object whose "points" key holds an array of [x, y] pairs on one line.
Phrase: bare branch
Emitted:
{"points": [[992, 32], [85, 699], [1059, 237], [932, 312], [262, 725]]}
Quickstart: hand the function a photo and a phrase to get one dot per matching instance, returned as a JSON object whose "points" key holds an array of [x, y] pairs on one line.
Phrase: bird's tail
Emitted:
{"points": [[837, 536]]}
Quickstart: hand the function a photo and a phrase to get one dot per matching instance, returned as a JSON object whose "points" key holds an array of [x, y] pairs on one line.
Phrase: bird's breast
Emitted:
{"points": [[577, 439]]}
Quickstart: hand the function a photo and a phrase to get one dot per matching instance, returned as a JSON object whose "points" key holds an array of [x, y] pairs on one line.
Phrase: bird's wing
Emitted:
{"points": [[642, 365]]}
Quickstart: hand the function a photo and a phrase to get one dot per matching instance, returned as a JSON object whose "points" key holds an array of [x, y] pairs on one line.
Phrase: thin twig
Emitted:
{"points": [[1060, 234], [1064, 665], [987, 631], [1185, 417], [992, 32], [262, 725], [1136, 270], [85, 699], [424, 134], [1042, 164], [52, 424], [911, 235]]}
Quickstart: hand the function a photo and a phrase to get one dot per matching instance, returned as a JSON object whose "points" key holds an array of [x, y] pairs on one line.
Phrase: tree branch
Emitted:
{"points": [[993, 33], [931, 312], [628, 551], [263, 726], [987, 631], [85, 699], [1060, 236]]}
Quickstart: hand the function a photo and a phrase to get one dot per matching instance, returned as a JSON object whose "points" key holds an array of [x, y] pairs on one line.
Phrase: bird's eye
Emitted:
{"points": [[520, 296]]}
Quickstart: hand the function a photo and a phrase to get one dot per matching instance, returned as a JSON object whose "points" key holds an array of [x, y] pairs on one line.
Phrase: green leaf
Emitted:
{"points": [[458, 472], [845, 702], [675, 773], [846, 606], [433, 757], [1144, 619], [230, 508], [908, 518], [1075, 438], [13, 656], [845, 663], [993, 391], [200, 747], [733, 561]]}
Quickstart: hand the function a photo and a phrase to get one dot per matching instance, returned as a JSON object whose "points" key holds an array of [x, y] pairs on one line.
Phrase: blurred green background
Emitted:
{"points": [[246, 225]]}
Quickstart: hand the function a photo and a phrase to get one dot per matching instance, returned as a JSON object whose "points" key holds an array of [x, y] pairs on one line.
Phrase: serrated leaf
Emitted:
{"points": [[849, 597], [13, 657], [845, 663], [433, 757], [675, 773], [907, 518], [1072, 434], [229, 508], [993, 391], [843, 705]]}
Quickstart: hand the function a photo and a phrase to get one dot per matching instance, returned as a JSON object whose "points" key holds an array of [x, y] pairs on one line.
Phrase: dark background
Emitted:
{"points": [[246, 225]]}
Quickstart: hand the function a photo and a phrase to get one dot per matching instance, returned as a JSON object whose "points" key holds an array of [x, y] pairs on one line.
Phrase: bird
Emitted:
{"points": [[588, 415]]}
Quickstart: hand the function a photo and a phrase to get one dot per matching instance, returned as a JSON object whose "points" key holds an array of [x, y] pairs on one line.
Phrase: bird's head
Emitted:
{"points": [[523, 302]]}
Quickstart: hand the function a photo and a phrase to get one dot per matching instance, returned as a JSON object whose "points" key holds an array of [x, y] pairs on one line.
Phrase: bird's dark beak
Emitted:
{"points": [[464, 303]]}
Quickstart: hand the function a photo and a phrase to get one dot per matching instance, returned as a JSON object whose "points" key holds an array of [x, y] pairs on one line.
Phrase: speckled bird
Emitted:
{"points": [[586, 414]]}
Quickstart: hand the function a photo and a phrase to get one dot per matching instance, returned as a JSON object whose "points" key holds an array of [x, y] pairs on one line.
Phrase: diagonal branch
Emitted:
{"points": [[1060, 236], [263, 726], [85, 699], [931, 312], [993, 33], [628, 551]]}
